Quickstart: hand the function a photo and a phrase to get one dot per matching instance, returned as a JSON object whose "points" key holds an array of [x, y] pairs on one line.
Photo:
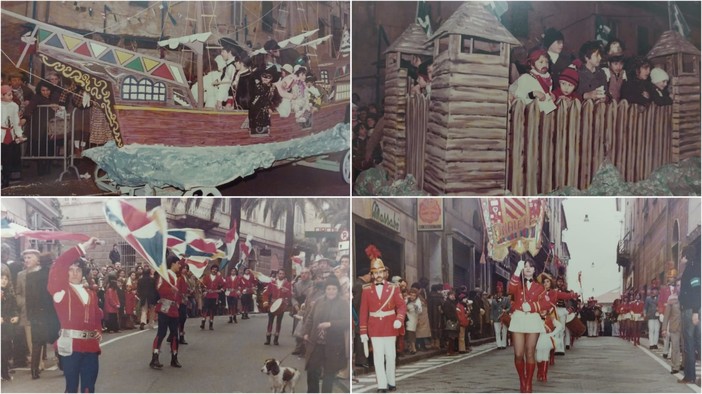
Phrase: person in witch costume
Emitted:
{"points": [[526, 323], [382, 314], [168, 314]]}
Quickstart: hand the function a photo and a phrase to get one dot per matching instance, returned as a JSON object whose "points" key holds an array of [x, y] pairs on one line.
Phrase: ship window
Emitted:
{"points": [[324, 76], [143, 90]]}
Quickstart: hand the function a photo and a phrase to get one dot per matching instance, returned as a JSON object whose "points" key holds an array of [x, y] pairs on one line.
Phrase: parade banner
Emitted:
{"points": [[191, 244], [13, 230], [512, 223], [430, 214], [145, 232]]}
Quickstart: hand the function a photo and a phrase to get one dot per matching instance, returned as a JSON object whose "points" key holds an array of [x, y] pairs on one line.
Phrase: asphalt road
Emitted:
{"points": [[594, 365], [227, 359]]}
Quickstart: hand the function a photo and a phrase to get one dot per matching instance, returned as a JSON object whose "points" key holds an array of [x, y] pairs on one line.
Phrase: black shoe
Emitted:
{"points": [[141, 326], [655, 347], [268, 340], [392, 388], [665, 355], [202, 325], [231, 320], [35, 374], [275, 341], [155, 364], [182, 340], [560, 353], [211, 322], [174, 361], [567, 348], [674, 371], [381, 391]]}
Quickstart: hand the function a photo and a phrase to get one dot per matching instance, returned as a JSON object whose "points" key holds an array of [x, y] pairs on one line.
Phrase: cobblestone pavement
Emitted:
{"points": [[602, 364]]}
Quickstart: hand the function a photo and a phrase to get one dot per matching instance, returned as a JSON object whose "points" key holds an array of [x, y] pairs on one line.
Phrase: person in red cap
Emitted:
{"points": [[381, 316], [537, 83], [652, 315], [499, 305], [567, 84]]}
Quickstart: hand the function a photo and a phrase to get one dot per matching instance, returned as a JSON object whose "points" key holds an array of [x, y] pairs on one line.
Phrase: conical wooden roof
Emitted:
{"points": [[672, 42], [473, 19], [412, 40]]}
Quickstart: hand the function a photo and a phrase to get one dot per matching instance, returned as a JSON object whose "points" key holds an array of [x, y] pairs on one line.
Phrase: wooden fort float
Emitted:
{"points": [[147, 101]]}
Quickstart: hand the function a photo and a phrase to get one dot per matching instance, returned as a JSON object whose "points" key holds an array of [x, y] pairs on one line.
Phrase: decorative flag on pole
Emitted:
{"points": [[512, 223], [231, 238], [246, 248], [191, 244], [424, 16], [145, 232], [345, 47], [677, 20], [14, 230]]}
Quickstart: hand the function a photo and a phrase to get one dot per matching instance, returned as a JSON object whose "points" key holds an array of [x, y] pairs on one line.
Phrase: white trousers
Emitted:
{"points": [[500, 334], [560, 337], [615, 329], [592, 328], [654, 331], [384, 355]]}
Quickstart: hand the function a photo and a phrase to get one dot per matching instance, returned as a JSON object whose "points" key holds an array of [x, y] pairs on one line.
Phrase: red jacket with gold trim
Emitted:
{"points": [[534, 295], [378, 314]]}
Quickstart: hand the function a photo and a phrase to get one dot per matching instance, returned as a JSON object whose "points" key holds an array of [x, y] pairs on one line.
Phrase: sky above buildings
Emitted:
{"points": [[593, 244]]}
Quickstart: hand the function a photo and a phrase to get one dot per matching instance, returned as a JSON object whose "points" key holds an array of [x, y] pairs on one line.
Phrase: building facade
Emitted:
{"points": [[35, 214]]}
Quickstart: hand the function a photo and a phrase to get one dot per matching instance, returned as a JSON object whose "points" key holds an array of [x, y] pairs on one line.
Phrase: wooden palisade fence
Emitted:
{"points": [[567, 146], [417, 119]]}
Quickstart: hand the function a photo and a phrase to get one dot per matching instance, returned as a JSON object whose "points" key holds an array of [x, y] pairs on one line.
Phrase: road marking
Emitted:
{"points": [[122, 337]]}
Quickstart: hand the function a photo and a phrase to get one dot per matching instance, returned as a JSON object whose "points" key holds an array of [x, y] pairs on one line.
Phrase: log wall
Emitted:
{"points": [[417, 119], [466, 132], [567, 146], [394, 134], [686, 117]]}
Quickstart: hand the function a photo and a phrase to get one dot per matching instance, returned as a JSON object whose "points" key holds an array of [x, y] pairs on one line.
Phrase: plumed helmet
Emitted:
{"points": [[374, 255]]}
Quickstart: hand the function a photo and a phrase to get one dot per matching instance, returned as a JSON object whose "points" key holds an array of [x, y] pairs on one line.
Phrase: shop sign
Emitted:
{"points": [[430, 214], [385, 216]]}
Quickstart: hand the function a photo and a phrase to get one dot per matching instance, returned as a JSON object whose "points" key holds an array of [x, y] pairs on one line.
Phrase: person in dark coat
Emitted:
{"points": [[690, 307], [10, 317], [557, 60], [40, 311], [448, 308], [37, 116], [435, 317], [638, 89], [146, 291], [324, 330]]}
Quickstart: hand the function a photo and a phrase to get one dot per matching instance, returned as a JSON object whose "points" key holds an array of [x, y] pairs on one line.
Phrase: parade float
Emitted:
{"points": [[163, 141]]}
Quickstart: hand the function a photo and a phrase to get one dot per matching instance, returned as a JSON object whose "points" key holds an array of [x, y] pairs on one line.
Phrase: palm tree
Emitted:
{"points": [[280, 209]]}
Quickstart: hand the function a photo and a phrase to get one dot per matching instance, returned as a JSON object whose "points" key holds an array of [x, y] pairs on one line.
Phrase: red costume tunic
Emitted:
{"points": [[379, 313], [170, 297], [275, 291], [232, 286], [212, 287], [535, 296], [637, 307], [183, 289], [247, 286], [552, 296], [73, 314]]}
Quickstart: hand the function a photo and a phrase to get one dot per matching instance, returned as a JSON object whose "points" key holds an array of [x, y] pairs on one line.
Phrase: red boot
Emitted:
{"points": [[545, 374], [552, 357], [539, 371], [519, 364], [530, 367]]}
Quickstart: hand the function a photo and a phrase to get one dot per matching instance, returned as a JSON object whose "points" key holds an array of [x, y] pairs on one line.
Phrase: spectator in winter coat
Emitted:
{"points": [[638, 89], [659, 79], [592, 79], [553, 43], [414, 308], [671, 320], [435, 318]]}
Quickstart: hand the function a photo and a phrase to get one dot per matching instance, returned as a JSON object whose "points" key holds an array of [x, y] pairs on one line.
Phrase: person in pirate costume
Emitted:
{"points": [[381, 316], [278, 289], [167, 310], [526, 323], [214, 284], [186, 291], [499, 305], [264, 99]]}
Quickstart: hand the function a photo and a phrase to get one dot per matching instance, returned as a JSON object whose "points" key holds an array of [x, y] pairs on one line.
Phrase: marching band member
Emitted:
{"points": [[277, 289], [499, 305], [247, 288], [213, 286], [526, 324], [637, 318], [553, 296], [231, 287], [625, 317], [382, 315], [186, 290], [167, 312], [564, 338], [80, 318], [547, 343]]}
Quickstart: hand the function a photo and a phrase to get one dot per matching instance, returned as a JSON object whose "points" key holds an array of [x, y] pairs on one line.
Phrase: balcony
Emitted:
{"points": [[624, 252], [191, 216]]}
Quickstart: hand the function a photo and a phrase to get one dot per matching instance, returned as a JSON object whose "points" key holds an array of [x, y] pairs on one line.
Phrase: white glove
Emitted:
{"points": [[397, 324], [526, 307], [364, 338], [520, 267], [89, 244]]}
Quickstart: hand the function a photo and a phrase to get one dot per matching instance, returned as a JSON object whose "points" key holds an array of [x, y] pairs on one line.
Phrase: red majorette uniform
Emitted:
{"points": [[213, 283], [167, 312], [637, 316], [547, 343], [247, 288], [556, 297], [277, 289], [382, 314], [81, 326], [624, 318]]}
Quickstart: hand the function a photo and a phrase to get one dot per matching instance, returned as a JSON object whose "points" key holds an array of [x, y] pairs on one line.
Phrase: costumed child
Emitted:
{"points": [[537, 83], [659, 79], [546, 344], [567, 84], [300, 102], [263, 102], [12, 135]]}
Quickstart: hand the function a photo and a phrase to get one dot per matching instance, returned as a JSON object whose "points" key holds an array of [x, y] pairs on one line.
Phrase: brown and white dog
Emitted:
{"points": [[281, 377]]}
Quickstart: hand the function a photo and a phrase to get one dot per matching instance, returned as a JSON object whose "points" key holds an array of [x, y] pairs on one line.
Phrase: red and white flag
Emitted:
{"points": [[246, 247], [230, 239]]}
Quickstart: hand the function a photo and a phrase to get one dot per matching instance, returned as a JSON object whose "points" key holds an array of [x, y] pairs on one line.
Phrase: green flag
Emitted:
{"points": [[424, 16]]}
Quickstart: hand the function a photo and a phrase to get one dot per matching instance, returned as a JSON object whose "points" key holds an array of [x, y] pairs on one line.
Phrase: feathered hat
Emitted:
{"points": [[374, 255]]}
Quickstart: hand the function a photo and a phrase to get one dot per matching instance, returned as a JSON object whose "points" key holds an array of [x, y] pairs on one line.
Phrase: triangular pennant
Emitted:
{"points": [[54, 42], [123, 56], [97, 49], [44, 34], [176, 73], [83, 50], [71, 42], [135, 65], [163, 72], [149, 64], [109, 57]]}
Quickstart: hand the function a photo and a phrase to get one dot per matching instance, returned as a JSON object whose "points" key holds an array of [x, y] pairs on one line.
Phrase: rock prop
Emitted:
{"points": [[679, 179], [376, 182]]}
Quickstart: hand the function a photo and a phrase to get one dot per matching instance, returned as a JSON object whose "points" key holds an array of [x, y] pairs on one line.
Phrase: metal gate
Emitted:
{"points": [[417, 117]]}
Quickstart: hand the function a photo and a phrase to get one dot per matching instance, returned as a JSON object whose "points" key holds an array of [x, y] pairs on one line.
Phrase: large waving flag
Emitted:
{"points": [[230, 239], [191, 244], [14, 230], [246, 247], [146, 232]]}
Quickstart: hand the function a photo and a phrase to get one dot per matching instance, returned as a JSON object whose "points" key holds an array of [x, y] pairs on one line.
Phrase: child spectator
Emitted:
{"points": [[638, 89], [130, 301], [424, 78], [567, 84], [414, 308], [592, 78], [112, 307], [659, 79], [558, 61], [12, 136], [537, 83], [615, 76]]}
